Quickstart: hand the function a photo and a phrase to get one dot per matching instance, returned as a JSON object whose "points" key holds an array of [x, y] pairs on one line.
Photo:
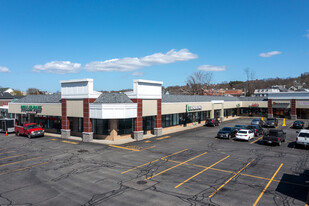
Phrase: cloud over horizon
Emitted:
{"points": [[4, 70], [134, 63], [58, 67], [138, 74], [270, 54], [211, 68]]}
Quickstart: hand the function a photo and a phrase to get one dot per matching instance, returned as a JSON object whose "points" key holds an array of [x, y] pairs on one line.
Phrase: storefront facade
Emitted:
{"points": [[81, 111]]}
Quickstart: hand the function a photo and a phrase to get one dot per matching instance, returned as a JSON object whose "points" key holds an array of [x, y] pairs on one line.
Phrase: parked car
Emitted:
{"points": [[298, 124], [212, 122], [30, 130], [257, 129], [271, 122], [240, 126], [257, 122], [274, 136], [302, 138], [244, 134], [227, 132]]}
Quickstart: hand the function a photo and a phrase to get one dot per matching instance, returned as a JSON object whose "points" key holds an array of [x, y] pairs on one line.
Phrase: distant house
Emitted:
{"points": [[265, 92], [8, 90], [5, 98]]}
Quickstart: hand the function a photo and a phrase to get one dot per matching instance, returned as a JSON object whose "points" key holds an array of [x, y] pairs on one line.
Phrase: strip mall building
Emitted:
{"points": [[81, 111]]}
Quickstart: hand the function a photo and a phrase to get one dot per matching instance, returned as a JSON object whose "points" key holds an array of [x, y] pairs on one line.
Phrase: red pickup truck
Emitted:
{"points": [[30, 130]]}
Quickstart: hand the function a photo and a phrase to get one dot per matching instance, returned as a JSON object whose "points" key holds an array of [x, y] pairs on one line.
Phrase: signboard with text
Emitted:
{"points": [[31, 109]]}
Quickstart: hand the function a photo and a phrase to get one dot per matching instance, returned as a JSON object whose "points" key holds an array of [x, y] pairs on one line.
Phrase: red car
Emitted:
{"points": [[30, 130]]}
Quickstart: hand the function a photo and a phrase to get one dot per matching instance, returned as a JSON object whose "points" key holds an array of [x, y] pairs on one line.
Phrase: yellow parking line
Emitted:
{"points": [[65, 141], [136, 150], [12, 163], [54, 139], [154, 161], [24, 168], [165, 137], [258, 199], [7, 152], [230, 179], [256, 140], [147, 141], [201, 166], [201, 172], [12, 157], [176, 165]]}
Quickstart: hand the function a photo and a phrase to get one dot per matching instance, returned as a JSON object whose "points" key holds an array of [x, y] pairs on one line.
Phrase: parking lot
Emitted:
{"points": [[186, 168]]}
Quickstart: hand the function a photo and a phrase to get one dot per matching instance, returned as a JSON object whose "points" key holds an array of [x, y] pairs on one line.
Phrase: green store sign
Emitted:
{"points": [[31, 109]]}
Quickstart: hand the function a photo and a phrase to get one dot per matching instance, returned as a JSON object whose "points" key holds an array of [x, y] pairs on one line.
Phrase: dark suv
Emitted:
{"points": [[212, 122], [271, 122], [258, 130], [227, 132]]}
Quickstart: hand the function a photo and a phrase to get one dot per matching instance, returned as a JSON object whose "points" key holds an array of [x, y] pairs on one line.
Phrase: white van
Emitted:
{"points": [[302, 138], [7, 125]]}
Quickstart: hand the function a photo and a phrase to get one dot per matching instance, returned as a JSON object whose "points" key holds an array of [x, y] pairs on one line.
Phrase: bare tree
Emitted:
{"points": [[198, 81], [250, 75]]}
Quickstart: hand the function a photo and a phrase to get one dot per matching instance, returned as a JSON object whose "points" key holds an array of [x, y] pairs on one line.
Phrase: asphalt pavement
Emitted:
{"points": [[192, 167]]}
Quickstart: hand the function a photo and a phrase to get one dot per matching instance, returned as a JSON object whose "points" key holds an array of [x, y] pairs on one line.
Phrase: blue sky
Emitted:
{"points": [[114, 42]]}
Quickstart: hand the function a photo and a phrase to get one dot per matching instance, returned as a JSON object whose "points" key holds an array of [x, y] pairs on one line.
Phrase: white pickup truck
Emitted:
{"points": [[302, 138]]}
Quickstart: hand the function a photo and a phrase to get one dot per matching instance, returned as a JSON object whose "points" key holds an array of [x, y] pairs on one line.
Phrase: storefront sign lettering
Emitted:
{"points": [[237, 105], [304, 103], [31, 109], [193, 108], [254, 105]]}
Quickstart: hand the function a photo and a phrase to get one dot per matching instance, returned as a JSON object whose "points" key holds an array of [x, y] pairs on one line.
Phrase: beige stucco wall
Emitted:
{"points": [[174, 108], [75, 108], [47, 109], [149, 107], [262, 104], [302, 104], [231, 105]]}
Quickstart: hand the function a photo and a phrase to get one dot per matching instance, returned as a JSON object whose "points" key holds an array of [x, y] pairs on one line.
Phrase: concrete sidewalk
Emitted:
{"points": [[128, 140]]}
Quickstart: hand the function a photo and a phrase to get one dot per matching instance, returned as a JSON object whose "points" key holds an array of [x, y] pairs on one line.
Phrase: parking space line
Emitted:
{"points": [[162, 158], [136, 150], [201, 172], [24, 168], [12, 157], [12, 163], [165, 137], [212, 194], [54, 139], [7, 152], [65, 141], [258, 199], [256, 140], [176, 165]]}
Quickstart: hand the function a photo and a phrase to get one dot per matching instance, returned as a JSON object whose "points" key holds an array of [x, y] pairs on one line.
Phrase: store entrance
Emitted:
{"points": [[148, 124]]}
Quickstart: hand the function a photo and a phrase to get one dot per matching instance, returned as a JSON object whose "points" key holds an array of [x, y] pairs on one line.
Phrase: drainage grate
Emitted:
{"points": [[82, 150], [141, 182]]}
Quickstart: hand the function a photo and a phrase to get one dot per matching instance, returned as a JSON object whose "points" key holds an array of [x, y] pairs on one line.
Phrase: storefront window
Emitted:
{"points": [[125, 126], [48, 122], [100, 126], [80, 124]]}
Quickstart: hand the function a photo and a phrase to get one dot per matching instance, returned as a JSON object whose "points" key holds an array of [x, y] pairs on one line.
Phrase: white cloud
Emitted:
{"points": [[131, 64], [138, 73], [269, 54], [4, 69], [58, 67], [211, 68]]}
